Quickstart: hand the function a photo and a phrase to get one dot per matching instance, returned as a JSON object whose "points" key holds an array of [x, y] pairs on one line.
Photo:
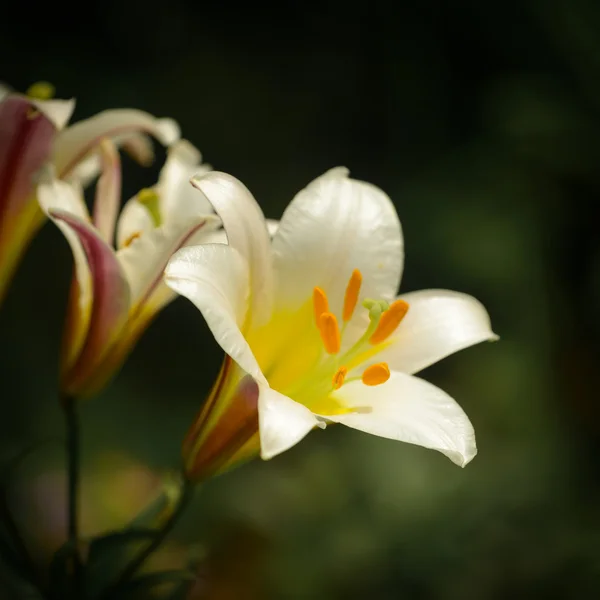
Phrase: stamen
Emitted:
{"points": [[330, 332], [351, 297], [338, 378], [376, 374], [131, 239], [150, 199], [320, 303], [388, 322], [42, 90]]}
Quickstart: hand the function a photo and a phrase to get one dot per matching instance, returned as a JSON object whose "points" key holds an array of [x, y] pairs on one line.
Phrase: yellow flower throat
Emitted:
{"points": [[306, 362]]}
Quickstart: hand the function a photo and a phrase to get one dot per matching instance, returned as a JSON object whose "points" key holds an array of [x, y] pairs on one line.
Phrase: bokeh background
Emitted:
{"points": [[482, 121]]}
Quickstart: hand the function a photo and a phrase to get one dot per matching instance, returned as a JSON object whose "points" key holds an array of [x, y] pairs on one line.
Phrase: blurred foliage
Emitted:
{"points": [[481, 121]]}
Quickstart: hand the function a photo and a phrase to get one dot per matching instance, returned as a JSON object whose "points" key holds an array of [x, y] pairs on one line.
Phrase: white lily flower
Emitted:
{"points": [[313, 329], [118, 288], [33, 133]]}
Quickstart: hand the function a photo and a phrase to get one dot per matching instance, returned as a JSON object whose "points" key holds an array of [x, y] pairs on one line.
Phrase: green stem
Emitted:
{"points": [[132, 568], [73, 468]]}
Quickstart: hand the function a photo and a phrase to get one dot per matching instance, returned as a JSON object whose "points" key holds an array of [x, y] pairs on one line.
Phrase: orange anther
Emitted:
{"points": [[131, 239], [330, 332], [320, 303], [351, 297], [338, 378], [388, 322], [376, 374]]}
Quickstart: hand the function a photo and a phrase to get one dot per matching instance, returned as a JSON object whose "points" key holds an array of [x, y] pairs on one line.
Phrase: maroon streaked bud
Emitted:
{"points": [[26, 142], [226, 430]]}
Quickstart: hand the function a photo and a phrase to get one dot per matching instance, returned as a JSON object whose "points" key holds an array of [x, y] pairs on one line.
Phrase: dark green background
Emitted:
{"points": [[481, 120]]}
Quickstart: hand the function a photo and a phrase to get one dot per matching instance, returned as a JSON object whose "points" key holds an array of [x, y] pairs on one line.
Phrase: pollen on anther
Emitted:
{"points": [[330, 332], [339, 377], [376, 374], [388, 322], [351, 297], [131, 239], [320, 303]]}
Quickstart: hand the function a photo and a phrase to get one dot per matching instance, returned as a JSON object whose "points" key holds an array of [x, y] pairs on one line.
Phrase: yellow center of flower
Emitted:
{"points": [[308, 362]]}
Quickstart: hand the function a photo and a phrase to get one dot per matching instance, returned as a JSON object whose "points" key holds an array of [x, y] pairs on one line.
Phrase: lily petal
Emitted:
{"points": [[215, 278], [411, 410], [282, 422], [134, 220], [26, 139], [110, 305], [62, 197], [100, 308], [438, 323], [333, 226], [247, 233], [179, 200], [76, 142], [108, 191], [145, 258], [54, 194], [58, 112], [272, 226], [137, 145]]}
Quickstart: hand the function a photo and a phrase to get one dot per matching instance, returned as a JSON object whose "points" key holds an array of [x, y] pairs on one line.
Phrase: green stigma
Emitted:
{"points": [[42, 90], [375, 307], [149, 198]]}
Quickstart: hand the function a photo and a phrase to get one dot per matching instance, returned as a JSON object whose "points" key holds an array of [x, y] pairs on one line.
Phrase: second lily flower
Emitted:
{"points": [[117, 287], [33, 133]]}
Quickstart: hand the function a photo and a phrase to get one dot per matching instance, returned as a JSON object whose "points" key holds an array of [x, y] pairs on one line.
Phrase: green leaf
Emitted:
{"points": [[108, 554], [60, 572]]}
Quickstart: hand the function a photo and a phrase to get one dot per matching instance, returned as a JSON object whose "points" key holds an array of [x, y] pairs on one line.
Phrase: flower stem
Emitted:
{"points": [[132, 568], [73, 468]]}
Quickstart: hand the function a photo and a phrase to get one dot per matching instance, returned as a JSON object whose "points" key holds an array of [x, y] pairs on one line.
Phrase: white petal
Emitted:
{"points": [[282, 422], [246, 230], [218, 236], [215, 278], [272, 226], [438, 323], [56, 195], [102, 300], [146, 257], [134, 220], [59, 195], [179, 200], [138, 145], [57, 111], [409, 409], [108, 191], [75, 143], [333, 226]]}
